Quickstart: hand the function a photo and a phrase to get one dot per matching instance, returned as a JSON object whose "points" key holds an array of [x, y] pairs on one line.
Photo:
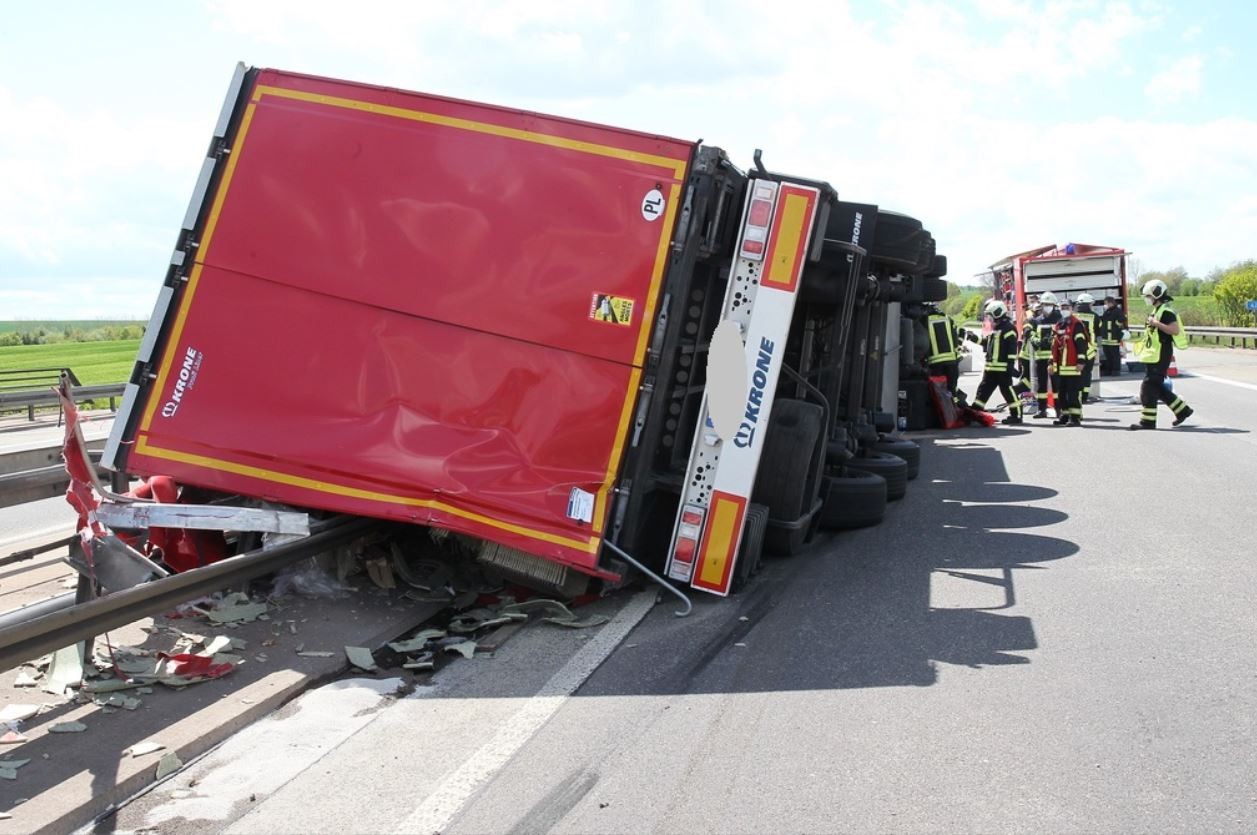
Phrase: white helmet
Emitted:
{"points": [[996, 309], [1047, 298], [1155, 289], [1086, 298]]}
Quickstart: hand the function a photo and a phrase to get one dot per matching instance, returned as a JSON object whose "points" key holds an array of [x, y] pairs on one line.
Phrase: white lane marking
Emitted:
{"points": [[440, 807], [1221, 380]]}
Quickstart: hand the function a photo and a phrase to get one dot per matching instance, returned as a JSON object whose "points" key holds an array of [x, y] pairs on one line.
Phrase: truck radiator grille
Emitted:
{"points": [[532, 571]]}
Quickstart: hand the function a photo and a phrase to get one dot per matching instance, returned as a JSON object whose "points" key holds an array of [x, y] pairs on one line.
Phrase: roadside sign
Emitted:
{"points": [[1252, 304]]}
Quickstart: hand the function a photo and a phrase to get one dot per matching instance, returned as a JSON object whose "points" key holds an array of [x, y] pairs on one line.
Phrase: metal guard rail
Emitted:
{"points": [[1202, 335]]}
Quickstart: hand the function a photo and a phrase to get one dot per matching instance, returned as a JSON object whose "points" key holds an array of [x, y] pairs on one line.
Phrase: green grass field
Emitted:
{"points": [[93, 363], [57, 326]]}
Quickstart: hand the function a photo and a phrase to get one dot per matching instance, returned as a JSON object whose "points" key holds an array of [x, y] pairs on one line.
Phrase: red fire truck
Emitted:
{"points": [[1067, 271]]}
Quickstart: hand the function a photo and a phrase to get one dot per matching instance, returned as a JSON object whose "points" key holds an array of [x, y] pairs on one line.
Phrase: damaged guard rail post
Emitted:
{"points": [[689, 607], [37, 636]]}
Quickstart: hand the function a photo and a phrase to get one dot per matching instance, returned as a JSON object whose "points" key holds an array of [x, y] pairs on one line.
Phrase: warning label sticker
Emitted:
{"points": [[614, 309]]}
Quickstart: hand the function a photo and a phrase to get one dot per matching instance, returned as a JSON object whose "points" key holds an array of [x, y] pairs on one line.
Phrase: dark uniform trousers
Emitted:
{"points": [[1153, 391]]}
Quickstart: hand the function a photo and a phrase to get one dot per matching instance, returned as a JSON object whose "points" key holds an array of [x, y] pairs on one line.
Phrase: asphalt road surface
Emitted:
{"points": [[1054, 631]]}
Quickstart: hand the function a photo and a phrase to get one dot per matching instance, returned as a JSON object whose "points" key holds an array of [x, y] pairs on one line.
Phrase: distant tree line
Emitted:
{"points": [[53, 335]]}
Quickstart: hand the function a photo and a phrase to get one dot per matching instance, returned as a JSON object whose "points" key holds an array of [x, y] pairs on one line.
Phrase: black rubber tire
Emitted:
{"points": [[890, 467], [938, 268], [751, 551], [789, 464], [909, 451], [934, 289], [899, 241], [855, 499]]}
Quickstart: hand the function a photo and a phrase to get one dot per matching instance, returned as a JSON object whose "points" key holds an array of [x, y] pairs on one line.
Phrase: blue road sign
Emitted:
{"points": [[1252, 304]]}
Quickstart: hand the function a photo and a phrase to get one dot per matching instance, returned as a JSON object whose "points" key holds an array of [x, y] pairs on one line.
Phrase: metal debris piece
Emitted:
{"points": [[139, 749], [417, 641], [109, 685], [67, 728], [218, 644], [66, 670], [361, 658], [556, 613], [17, 712], [464, 648], [12, 738], [168, 764], [25, 679], [316, 654], [476, 619]]}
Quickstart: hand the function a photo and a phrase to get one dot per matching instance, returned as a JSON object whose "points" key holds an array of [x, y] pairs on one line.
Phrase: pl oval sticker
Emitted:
{"points": [[652, 205]]}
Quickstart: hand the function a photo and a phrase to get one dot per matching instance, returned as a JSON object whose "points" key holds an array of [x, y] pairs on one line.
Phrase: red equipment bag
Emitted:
{"points": [[948, 413]]}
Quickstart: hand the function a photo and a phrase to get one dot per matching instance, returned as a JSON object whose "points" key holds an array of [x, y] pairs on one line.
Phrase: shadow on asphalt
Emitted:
{"points": [[856, 609]]}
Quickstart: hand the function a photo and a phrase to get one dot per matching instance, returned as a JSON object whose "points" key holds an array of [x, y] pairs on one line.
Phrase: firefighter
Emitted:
{"points": [[943, 359], [1084, 314], [1040, 341], [1071, 342], [1156, 348], [1000, 347], [1109, 328]]}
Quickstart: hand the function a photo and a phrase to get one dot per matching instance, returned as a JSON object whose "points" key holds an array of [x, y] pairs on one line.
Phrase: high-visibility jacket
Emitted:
{"points": [[1089, 319], [1041, 335], [1110, 325], [1070, 344], [1150, 344], [942, 339], [1000, 346]]}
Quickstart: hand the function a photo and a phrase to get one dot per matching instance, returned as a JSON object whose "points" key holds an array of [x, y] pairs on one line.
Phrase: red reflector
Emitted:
{"points": [[756, 247], [761, 211], [685, 550], [691, 517]]}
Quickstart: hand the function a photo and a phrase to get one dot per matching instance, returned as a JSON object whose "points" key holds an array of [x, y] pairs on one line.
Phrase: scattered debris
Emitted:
{"points": [[25, 679], [17, 712], [464, 648], [66, 670], [8, 768], [139, 749], [312, 653], [361, 658], [169, 764], [12, 738], [417, 641], [424, 661], [739, 644], [67, 728], [237, 608], [556, 613]]}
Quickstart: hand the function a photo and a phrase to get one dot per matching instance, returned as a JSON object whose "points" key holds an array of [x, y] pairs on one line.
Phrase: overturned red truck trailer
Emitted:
{"points": [[491, 321]]}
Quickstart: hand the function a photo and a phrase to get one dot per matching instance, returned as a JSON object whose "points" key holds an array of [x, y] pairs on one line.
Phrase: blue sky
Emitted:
{"points": [[1002, 125]]}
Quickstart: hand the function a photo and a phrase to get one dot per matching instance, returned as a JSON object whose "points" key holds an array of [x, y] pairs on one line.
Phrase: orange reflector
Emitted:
{"points": [[716, 556], [789, 238]]}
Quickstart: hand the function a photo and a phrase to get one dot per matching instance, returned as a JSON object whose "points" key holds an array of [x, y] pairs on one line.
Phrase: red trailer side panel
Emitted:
{"points": [[417, 308]]}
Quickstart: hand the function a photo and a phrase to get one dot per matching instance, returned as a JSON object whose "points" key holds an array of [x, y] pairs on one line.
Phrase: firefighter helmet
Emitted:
{"points": [[996, 309], [1086, 298], [1047, 298], [1155, 289]]}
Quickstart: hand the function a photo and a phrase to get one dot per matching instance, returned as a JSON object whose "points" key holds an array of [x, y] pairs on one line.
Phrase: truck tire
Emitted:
{"points": [[933, 289], [855, 499], [790, 461], [899, 241], [938, 268], [909, 451], [751, 551], [890, 467]]}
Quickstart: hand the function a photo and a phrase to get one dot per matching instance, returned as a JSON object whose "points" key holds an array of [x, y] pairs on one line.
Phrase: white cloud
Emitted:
{"points": [[1179, 81]]}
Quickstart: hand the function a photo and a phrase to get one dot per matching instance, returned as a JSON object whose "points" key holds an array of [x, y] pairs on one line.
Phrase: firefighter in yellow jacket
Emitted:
{"points": [[1000, 346], [1162, 332]]}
